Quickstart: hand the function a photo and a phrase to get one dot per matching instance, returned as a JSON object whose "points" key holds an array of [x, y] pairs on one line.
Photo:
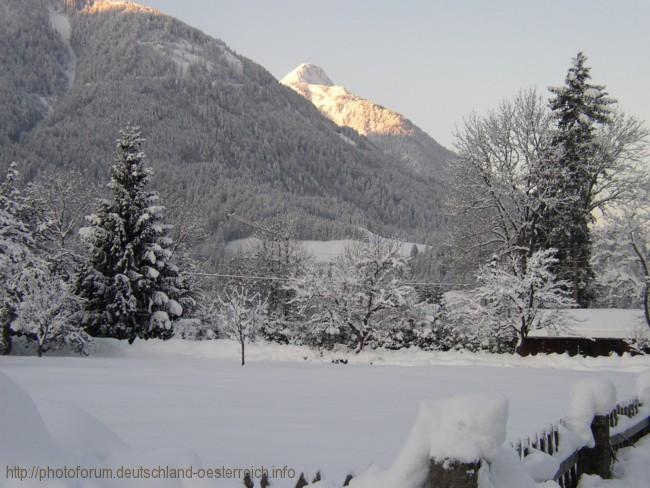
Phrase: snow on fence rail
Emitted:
{"points": [[622, 427], [458, 443]]}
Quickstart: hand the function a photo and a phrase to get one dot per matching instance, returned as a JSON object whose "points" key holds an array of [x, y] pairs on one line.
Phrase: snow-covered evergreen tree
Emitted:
{"points": [[579, 108], [129, 284]]}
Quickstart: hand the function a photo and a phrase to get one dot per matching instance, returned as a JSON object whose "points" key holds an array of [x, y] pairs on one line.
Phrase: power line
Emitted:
{"points": [[279, 278], [244, 277]]}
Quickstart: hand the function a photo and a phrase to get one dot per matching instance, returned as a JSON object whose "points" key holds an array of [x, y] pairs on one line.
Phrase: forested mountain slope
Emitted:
{"points": [[221, 130]]}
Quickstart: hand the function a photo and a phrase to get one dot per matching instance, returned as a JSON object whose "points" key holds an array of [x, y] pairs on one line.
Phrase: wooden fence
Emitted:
{"points": [[596, 460], [572, 465]]}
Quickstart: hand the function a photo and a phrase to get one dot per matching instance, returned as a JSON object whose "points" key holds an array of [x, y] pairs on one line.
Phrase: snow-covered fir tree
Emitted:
{"points": [[579, 108], [130, 286]]}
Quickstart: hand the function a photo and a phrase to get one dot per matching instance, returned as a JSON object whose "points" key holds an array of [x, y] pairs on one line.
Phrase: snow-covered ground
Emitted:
{"points": [[181, 402]]}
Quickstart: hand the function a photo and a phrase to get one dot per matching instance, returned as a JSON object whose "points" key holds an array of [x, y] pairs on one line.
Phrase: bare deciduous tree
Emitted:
{"points": [[241, 312], [498, 195]]}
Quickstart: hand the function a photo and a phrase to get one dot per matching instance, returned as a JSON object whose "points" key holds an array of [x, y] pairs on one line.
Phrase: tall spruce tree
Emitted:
{"points": [[579, 109], [129, 284]]}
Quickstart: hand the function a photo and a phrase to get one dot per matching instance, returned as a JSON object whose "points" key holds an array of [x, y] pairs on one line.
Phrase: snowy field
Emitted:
{"points": [[177, 402]]}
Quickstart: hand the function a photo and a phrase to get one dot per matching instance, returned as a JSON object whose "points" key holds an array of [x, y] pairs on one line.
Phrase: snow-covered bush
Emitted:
{"points": [[640, 339], [473, 330], [48, 312], [34, 301], [17, 249], [362, 296], [512, 297], [196, 329], [283, 332], [432, 327]]}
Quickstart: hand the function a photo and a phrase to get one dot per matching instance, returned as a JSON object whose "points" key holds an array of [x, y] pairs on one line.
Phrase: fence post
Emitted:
{"points": [[453, 474], [598, 459]]}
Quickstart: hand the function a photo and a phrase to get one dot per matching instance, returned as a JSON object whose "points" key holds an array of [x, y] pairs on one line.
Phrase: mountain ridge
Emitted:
{"points": [[221, 130], [394, 133]]}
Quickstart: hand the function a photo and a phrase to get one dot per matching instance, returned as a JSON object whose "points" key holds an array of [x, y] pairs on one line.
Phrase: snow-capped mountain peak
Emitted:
{"points": [[307, 73], [390, 131]]}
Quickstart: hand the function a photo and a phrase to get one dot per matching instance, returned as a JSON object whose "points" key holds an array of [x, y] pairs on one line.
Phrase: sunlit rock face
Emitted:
{"points": [[392, 132], [98, 6]]}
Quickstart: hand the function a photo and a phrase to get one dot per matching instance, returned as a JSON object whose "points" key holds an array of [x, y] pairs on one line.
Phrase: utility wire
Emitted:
{"points": [[279, 278]]}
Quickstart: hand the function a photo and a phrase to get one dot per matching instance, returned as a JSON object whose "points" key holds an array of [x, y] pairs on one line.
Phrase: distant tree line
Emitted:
{"points": [[524, 242]]}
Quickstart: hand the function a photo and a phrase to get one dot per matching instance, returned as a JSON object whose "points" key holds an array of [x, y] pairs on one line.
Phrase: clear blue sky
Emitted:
{"points": [[436, 61]]}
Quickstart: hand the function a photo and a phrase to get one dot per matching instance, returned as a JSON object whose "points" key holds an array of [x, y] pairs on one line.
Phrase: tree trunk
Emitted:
{"points": [[521, 347], [243, 362], [646, 300], [646, 272], [5, 340], [361, 343]]}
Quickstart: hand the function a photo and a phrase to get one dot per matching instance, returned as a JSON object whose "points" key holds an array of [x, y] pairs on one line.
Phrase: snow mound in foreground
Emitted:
{"points": [[540, 466], [507, 471], [463, 428], [79, 433], [23, 435], [643, 387], [61, 435], [587, 399]]}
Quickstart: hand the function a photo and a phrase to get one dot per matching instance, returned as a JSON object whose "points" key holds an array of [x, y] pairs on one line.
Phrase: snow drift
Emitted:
{"points": [[589, 398]]}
